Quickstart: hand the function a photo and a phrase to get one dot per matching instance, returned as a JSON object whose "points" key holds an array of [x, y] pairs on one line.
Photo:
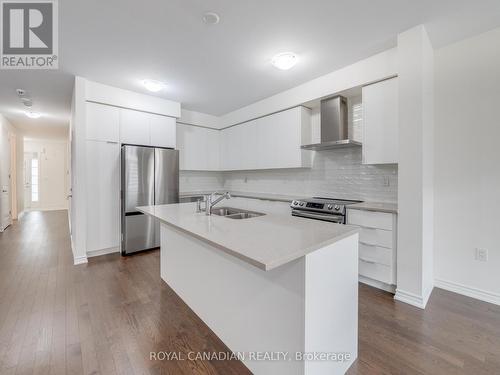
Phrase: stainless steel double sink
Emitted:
{"points": [[235, 213]]}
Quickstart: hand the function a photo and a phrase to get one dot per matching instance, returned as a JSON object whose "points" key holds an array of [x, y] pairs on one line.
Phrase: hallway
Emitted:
{"points": [[100, 318], [107, 316]]}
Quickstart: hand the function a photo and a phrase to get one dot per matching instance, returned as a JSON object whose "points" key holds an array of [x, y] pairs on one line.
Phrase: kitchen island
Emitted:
{"points": [[280, 291]]}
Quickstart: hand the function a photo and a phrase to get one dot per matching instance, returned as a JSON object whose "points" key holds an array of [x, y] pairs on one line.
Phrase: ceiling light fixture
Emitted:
{"points": [[152, 85], [285, 60], [211, 18], [32, 114]]}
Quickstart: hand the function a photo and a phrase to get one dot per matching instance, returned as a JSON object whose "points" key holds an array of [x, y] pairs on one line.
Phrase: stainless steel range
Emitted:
{"points": [[327, 209]]}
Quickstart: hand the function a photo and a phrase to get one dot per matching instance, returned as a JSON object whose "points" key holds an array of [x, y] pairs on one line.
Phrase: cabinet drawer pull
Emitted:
{"points": [[367, 261], [367, 244], [112, 142]]}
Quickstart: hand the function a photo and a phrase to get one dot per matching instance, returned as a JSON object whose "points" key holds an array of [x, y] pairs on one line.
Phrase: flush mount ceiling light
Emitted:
{"points": [[211, 18], [285, 60], [32, 114], [152, 85]]}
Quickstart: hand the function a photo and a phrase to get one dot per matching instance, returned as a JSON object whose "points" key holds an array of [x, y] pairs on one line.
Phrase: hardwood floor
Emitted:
{"points": [[106, 317]]}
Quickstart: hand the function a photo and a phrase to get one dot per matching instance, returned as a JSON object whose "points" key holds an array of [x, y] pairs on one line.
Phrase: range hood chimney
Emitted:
{"points": [[334, 126]]}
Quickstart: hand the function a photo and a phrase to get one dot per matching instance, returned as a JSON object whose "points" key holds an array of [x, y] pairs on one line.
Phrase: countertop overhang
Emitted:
{"points": [[266, 242]]}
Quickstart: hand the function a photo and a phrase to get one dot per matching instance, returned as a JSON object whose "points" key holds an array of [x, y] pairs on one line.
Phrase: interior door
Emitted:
{"points": [[31, 180]]}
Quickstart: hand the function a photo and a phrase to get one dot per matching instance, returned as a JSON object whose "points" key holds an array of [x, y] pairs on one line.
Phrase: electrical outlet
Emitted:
{"points": [[482, 255]]}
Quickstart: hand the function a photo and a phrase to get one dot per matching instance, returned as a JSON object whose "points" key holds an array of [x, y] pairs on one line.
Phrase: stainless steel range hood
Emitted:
{"points": [[334, 126]]}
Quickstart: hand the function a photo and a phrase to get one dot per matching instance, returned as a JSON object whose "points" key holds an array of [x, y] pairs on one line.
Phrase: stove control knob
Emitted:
{"points": [[330, 207], [295, 203], [301, 204], [337, 207]]}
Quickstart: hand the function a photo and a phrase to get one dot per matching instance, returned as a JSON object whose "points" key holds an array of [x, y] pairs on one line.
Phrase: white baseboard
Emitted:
{"points": [[80, 260], [377, 284], [46, 209], [96, 253], [412, 299], [468, 291]]}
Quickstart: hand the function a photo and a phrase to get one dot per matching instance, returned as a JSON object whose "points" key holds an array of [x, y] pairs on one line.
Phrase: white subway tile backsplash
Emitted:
{"points": [[335, 173], [200, 181]]}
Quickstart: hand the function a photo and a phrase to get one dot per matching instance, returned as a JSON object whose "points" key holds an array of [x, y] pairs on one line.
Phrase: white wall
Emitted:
{"points": [[53, 168], [371, 69], [467, 166], [5, 170], [5, 156]]}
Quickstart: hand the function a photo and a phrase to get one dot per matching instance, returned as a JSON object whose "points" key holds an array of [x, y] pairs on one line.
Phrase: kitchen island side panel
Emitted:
{"points": [[252, 310]]}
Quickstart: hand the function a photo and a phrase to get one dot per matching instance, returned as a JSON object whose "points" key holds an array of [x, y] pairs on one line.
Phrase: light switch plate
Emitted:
{"points": [[481, 255]]}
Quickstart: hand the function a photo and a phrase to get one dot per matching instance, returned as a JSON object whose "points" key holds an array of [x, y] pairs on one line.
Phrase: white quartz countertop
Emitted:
{"points": [[391, 208], [266, 242], [365, 206]]}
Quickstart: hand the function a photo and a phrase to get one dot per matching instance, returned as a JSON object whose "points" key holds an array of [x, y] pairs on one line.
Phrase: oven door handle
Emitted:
{"points": [[333, 218]]}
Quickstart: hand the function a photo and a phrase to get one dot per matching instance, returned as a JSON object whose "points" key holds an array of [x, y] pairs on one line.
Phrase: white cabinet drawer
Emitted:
{"points": [[376, 271], [376, 254], [379, 237], [370, 219]]}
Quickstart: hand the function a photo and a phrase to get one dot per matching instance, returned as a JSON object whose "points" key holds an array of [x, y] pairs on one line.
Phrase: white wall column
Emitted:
{"points": [[416, 174], [78, 212]]}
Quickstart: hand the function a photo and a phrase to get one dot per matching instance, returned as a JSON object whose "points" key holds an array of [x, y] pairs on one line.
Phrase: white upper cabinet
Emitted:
{"points": [[146, 129], [134, 127], [380, 122], [198, 148], [162, 131], [102, 122], [280, 138], [269, 142]]}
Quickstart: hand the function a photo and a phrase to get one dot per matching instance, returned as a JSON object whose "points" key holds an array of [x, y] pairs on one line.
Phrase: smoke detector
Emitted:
{"points": [[27, 102], [211, 18]]}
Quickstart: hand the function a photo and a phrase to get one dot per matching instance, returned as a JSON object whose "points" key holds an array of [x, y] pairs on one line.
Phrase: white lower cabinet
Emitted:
{"points": [[103, 195], [377, 247]]}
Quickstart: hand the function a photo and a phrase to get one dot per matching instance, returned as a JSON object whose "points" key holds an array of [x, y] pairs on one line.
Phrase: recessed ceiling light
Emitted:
{"points": [[285, 60], [211, 18], [32, 114], [152, 85]]}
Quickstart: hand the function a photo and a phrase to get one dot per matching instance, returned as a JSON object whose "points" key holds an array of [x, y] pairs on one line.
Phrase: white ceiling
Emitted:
{"points": [[218, 68]]}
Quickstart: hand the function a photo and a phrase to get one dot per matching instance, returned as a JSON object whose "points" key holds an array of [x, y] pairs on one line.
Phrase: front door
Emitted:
{"points": [[31, 180]]}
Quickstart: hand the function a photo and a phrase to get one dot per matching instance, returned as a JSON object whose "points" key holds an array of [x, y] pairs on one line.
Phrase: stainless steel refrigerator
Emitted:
{"points": [[150, 176]]}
